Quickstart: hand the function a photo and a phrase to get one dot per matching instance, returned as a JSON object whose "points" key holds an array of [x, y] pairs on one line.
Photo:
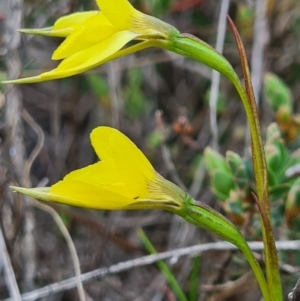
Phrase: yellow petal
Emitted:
{"points": [[103, 174], [48, 31], [134, 168], [120, 53], [63, 26], [40, 193], [123, 15], [91, 32], [89, 58], [73, 20], [118, 12], [78, 194], [84, 194], [26, 80]]}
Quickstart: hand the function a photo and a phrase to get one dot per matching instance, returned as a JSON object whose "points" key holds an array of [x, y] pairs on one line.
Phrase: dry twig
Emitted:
{"points": [[13, 122], [27, 167], [215, 80], [257, 58], [146, 260], [10, 275]]}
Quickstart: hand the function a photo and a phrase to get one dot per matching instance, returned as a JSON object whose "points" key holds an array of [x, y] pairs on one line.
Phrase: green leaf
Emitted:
{"points": [[159, 7], [135, 105], [279, 191], [221, 184], [294, 158], [221, 102], [98, 84], [292, 205], [272, 178], [273, 158], [277, 92], [239, 170], [235, 207], [155, 139], [214, 161]]}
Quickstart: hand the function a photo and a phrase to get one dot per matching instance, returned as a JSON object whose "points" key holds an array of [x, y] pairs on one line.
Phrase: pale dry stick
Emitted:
{"points": [[200, 172], [260, 40], [27, 167], [14, 129], [231, 284], [70, 243], [257, 57], [245, 284], [294, 295], [10, 278], [180, 231], [166, 154], [55, 126], [227, 285], [38, 147], [215, 83], [113, 82], [283, 266], [146, 260], [215, 80], [198, 179], [293, 171]]}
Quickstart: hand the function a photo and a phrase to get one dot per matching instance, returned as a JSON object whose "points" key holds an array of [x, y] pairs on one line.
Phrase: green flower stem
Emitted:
{"points": [[206, 218], [198, 50], [193, 48]]}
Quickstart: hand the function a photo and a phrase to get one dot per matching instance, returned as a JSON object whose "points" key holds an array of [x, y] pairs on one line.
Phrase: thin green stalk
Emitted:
{"points": [[271, 258], [163, 267], [260, 172], [193, 281]]}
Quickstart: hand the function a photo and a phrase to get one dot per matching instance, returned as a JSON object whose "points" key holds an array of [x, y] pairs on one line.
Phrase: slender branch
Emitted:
{"points": [[294, 295], [257, 57], [166, 154], [199, 176], [26, 175], [259, 41], [70, 243], [146, 260], [38, 147], [215, 82], [10, 278], [113, 81], [13, 122]]}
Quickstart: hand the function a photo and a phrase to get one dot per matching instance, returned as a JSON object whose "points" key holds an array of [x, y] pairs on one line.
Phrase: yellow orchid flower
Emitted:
{"points": [[95, 37], [123, 179]]}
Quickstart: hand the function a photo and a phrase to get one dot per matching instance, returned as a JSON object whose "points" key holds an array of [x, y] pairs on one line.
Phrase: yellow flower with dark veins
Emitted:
{"points": [[95, 37], [123, 179]]}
